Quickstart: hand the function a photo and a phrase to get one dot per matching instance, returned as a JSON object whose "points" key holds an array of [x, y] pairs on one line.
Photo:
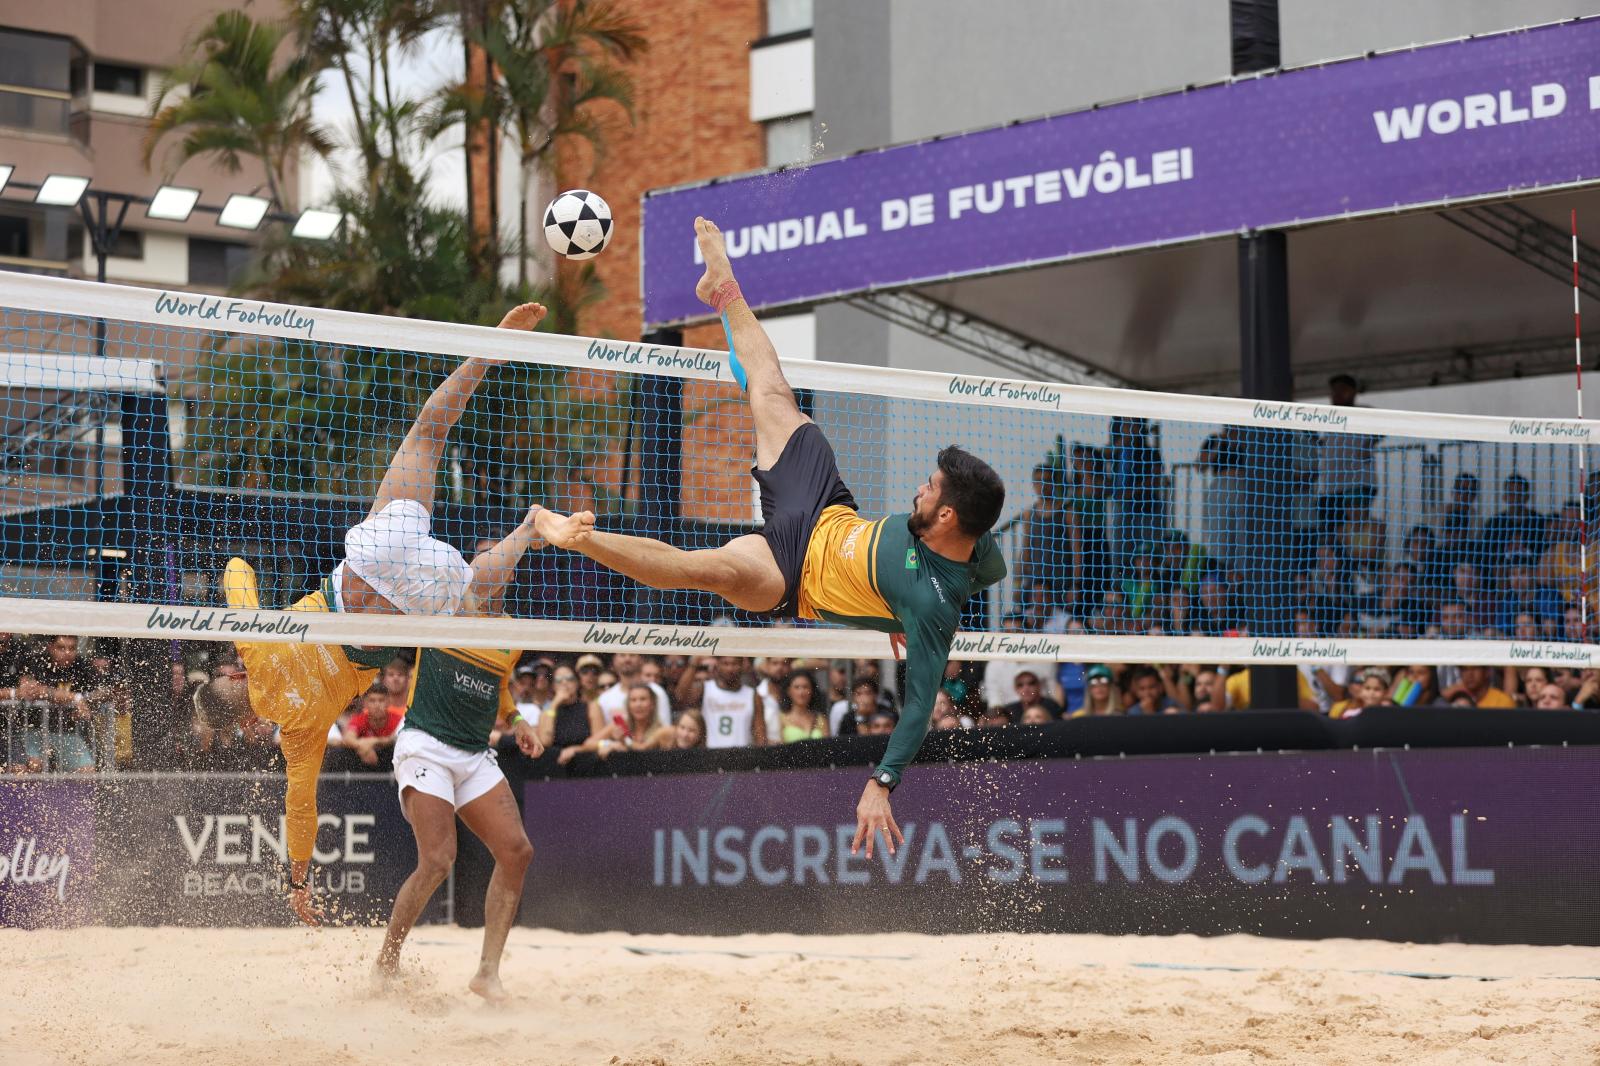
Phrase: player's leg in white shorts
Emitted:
{"points": [[427, 764]]}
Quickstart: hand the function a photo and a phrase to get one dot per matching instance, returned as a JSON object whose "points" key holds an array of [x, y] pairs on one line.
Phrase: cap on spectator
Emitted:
{"points": [[525, 670], [1098, 672], [591, 660]]}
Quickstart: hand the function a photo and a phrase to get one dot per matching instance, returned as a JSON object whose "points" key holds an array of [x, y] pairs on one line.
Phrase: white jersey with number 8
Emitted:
{"points": [[728, 715]]}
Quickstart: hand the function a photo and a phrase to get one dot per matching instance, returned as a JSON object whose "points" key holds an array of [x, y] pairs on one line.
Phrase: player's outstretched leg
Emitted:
{"points": [[772, 402], [742, 571]]}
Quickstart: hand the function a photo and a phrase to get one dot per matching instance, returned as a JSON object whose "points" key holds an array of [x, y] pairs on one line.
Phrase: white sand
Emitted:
{"points": [[279, 997]]}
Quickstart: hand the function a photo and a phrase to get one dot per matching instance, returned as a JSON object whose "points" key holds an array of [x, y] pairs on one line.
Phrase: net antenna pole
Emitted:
{"points": [[1583, 448]]}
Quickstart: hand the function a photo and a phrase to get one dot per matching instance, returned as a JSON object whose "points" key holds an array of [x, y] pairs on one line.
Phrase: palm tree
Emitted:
{"points": [[231, 98], [358, 40], [546, 65]]}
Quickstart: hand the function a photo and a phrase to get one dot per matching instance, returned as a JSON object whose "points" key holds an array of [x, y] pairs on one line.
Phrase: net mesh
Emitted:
{"points": [[143, 449]]}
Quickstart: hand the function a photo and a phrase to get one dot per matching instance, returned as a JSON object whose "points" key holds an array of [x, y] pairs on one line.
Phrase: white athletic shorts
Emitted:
{"points": [[427, 764]]}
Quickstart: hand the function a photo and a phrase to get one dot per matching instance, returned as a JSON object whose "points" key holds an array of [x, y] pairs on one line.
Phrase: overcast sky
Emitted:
{"points": [[436, 61]]}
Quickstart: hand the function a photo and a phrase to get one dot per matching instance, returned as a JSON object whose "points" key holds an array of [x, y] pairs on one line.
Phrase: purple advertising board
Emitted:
{"points": [[1471, 119], [46, 852], [1472, 844], [194, 850]]}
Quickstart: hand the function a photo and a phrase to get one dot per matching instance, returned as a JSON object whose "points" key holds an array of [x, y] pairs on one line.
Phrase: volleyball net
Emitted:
{"points": [[150, 436]]}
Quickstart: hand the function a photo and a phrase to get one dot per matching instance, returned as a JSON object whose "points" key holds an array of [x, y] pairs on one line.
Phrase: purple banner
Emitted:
{"points": [[1470, 843], [46, 852], [193, 850], [1480, 118]]}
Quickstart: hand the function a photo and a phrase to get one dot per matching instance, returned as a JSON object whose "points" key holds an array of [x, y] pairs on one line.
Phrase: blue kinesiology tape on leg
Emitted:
{"points": [[734, 365]]}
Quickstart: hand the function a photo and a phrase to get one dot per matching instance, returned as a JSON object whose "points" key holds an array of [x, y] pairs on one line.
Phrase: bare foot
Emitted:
{"points": [[382, 980], [712, 250], [523, 316], [489, 987], [564, 531]]}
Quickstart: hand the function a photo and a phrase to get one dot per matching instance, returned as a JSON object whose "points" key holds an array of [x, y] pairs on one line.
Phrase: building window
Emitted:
{"points": [[14, 237], [218, 264], [35, 61], [28, 112], [116, 78], [38, 76], [128, 245], [789, 140], [788, 16]]}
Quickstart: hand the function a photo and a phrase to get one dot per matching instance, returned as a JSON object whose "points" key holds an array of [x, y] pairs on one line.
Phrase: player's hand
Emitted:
{"points": [[527, 740], [897, 642], [304, 903], [873, 816]]}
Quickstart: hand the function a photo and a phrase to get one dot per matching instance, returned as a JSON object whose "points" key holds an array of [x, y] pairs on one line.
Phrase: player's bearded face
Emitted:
{"points": [[924, 509]]}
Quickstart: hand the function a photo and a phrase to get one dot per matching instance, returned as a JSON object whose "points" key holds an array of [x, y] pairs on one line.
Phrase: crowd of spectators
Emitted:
{"points": [[60, 704], [1296, 517], [1097, 552], [66, 708], [598, 706]]}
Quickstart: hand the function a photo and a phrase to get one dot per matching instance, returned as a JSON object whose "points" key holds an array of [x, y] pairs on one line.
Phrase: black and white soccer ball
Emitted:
{"points": [[577, 224]]}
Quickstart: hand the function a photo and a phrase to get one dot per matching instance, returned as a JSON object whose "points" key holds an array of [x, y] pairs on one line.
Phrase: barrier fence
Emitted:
{"points": [[55, 736]]}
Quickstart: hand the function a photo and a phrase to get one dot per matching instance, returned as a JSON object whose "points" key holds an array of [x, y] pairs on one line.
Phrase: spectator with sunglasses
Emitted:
{"points": [[1102, 696], [571, 719]]}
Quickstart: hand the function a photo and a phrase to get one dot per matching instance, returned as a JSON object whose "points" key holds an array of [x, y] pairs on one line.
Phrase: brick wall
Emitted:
{"points": [[692, 121]]}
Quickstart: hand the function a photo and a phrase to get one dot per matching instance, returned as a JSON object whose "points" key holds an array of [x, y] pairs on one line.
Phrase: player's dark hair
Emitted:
{"points": [[973, 489]]}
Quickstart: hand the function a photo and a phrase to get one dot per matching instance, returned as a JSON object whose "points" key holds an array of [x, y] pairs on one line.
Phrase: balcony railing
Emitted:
{"points": [[44, 111]]}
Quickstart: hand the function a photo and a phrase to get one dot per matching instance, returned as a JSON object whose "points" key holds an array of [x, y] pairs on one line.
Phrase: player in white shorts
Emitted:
{"points": [[444, 767]]}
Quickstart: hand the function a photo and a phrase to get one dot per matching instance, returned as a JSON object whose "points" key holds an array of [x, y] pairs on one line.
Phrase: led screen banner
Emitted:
{"points": [[1487, 117], [1471, 844], [194, 850], [46, 852]]}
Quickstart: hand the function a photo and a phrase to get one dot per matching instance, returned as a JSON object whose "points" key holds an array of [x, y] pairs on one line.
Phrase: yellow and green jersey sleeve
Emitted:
{"points": [[879, 575]]}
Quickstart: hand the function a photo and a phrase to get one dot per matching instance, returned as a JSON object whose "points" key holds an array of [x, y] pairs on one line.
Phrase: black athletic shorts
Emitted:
{"points": [[803, 481]]}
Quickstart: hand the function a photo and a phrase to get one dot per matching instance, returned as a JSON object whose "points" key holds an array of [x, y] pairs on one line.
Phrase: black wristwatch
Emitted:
{"points": [[886, 779]]}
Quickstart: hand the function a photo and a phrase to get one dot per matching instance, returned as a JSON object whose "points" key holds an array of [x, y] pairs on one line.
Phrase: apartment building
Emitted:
{"points": [[77, 80]]}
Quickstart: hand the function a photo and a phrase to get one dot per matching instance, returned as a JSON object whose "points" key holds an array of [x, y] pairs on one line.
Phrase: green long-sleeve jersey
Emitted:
{"points": [[879, 575]]}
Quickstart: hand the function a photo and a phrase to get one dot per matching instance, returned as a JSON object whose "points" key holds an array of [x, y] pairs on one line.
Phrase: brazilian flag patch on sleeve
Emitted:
{"points": [[911, 558]]}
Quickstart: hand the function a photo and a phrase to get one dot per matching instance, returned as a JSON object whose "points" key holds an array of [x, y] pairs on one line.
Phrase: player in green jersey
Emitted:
{"points": [[444, 768], [908, 575]]}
